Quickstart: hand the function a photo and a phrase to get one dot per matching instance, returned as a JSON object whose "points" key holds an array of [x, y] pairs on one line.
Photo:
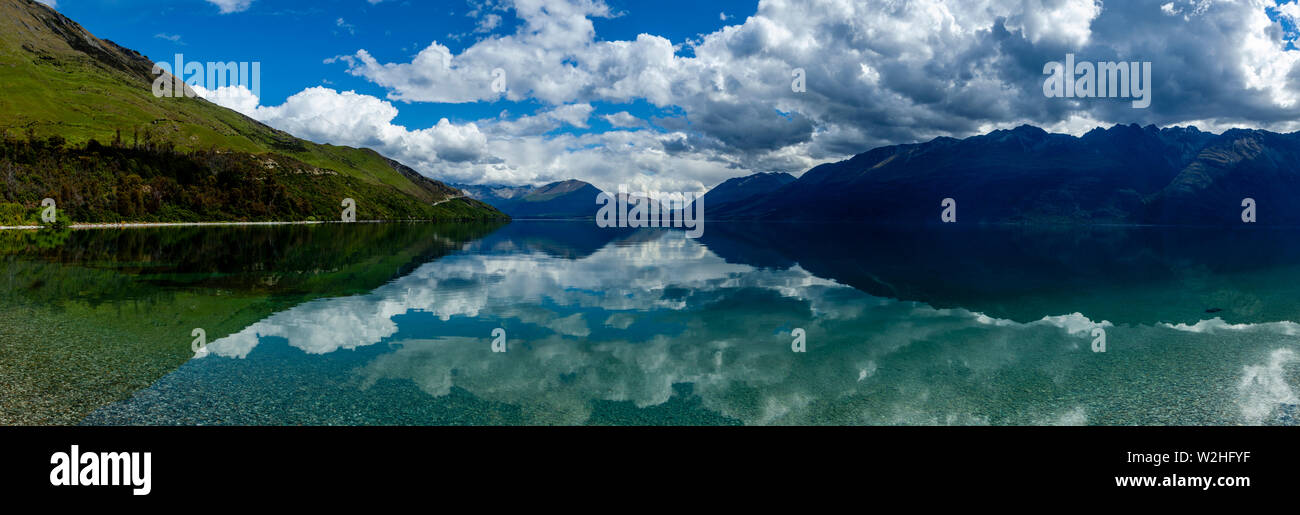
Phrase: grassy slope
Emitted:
{"points": [[58, 79]]}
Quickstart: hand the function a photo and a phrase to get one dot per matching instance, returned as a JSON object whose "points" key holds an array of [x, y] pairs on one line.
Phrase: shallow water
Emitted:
{"points": [[393, 324]]}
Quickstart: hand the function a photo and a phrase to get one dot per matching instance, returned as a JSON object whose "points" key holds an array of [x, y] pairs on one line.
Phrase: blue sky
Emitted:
{"points": [[292, 39], [676, 95]]}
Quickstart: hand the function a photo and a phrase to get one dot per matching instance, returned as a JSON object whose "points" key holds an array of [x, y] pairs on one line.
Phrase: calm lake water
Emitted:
{"points": [[394, 323]]}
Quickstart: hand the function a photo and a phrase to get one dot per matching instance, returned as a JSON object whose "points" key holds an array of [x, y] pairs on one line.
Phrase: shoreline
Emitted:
{"points": [[139, 225]]}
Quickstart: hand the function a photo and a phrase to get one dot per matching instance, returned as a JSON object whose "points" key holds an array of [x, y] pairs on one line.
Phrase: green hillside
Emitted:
{"points": [[62, 88]]}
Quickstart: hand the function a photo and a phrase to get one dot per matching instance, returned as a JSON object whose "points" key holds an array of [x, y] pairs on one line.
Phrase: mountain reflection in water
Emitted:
{"points": [[929, 325]]}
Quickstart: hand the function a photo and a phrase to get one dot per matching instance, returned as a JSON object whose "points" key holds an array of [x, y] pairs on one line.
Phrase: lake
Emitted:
{"points": [[380, 324]]}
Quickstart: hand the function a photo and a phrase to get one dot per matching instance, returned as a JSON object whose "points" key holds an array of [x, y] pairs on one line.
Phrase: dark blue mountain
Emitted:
{"points": [[740, 189], [1260, 165], [1124, 174]]}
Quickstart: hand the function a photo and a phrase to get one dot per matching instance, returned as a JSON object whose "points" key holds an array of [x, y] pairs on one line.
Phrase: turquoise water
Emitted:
{"points": [[929, 325]]}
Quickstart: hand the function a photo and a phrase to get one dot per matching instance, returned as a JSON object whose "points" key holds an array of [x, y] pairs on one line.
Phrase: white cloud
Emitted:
{"points": [[554, 57], [238, 98], [231, 6], [1068, 21], [1290, 11], [1264, 68], [623, 120], [174, 38], [488, 23], [499, 150], [876, 73], [572, 115]]}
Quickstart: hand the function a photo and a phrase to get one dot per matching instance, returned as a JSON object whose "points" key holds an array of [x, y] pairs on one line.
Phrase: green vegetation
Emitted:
{"points": [[73, 104], [17, 215], [13, 214], [153, 182]]}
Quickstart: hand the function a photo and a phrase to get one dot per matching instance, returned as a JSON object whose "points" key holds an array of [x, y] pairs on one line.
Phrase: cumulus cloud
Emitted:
{"points": [[507, 150], [874, 72], [622, 119], [572, 115], [238, 98]]}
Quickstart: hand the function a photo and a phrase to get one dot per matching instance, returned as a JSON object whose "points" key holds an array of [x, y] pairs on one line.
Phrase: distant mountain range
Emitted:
{"points": [[1126, 174], [564, 199], [79, 123]]}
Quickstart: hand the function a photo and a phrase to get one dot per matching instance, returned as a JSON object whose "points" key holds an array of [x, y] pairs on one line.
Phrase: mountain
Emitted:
{"points": [[494, 194], [563, 199], [738, 189], [80, 124], [1125, 174], [1260, 165]]}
